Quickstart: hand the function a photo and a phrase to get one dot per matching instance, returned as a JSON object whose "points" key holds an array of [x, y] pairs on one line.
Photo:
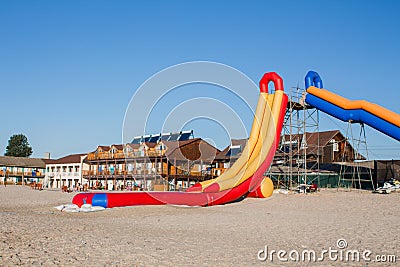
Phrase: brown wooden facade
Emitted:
{"points": [[325, 147], [150, 166]]}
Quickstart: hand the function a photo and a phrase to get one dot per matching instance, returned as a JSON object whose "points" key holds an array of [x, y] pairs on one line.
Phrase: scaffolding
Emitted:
{"points": [[355, 175], [300, 124], [297, 161]]}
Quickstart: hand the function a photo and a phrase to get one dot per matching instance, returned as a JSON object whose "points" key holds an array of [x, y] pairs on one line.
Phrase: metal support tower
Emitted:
{"points": [[359, 144], [300, 125]]}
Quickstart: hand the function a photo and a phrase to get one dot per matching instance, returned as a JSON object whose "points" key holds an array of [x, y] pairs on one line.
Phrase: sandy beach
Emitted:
{"points": [[33, 232]]}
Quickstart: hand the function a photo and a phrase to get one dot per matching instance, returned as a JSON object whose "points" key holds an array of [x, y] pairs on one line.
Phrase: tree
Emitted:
{"points": [[18, 146]]}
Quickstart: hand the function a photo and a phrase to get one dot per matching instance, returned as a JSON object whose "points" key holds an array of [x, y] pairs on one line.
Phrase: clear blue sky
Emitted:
{"points": [[68, 69]]}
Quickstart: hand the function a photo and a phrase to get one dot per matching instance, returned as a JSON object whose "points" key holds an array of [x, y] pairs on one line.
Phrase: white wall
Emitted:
{"points": [[68, 174]]}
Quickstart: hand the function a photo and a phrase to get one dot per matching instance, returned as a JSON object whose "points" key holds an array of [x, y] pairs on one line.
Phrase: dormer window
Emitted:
{"points": [[335, 145], [234, 150], [161, 147]]}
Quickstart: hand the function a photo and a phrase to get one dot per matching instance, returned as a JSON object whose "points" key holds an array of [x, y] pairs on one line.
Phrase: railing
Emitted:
{"points": [[91, 156], [136, 154], [121, 155], [20, 173], [118, 155], [154, 153], [63, 174], [88, 172], [103, 155], [137, 172]]}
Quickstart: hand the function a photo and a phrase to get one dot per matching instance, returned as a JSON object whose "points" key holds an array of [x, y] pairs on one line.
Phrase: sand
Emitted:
{"points": [[34, 233]]}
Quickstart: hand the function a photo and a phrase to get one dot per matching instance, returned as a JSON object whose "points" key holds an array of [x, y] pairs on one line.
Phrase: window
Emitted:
{"points": [[161, 147], [234, 150], [288, 146], [335, 145], [304, 144]]}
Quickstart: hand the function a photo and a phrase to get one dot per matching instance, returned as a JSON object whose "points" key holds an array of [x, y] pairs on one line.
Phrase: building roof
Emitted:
{"points": [[192, 149], [119, 147], [21, 162], [150, 145], [134, 146], [104, 148], [225, 154], [176, 144], [74, 158]]}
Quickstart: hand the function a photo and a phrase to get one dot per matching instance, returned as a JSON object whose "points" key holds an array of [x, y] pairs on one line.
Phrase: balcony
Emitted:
{"points": [[88, 173], [91, 156], [118, 155], [154, 153], [25, 174], [122, 155], [126, 172], [103, 155]]}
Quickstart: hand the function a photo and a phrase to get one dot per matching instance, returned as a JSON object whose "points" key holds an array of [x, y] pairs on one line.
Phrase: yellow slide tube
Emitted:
{"points": [[251, 149], [267, 137]]}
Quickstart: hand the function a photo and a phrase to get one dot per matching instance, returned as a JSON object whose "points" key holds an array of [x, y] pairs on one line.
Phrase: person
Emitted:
{"points": [[4, 181], [129, 186]]}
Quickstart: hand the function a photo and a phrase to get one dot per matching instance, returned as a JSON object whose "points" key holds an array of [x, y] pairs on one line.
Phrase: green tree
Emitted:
{"points": [[18, 146]]}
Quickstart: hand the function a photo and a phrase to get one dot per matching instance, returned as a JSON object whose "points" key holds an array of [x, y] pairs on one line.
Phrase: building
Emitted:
{"points": [[322, 147], [300, 151], [168, 163], [65, 171], [19, 170], [228, 156]]}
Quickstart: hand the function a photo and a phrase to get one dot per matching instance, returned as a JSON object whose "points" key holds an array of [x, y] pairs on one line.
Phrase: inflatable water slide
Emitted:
{"points": [[244, 178], [355, 111]]}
